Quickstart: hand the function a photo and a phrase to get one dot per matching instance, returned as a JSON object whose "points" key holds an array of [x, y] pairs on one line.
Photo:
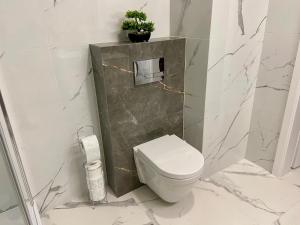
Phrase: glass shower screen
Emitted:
{"points": [[11, 211], [17, 206]]}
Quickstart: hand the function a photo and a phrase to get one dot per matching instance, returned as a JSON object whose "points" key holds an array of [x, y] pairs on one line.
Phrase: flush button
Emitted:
{"points": [[148, 71]]}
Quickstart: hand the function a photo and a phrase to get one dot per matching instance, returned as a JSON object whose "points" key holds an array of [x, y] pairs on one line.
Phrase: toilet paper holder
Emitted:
{"points": [[83, 127], [79, 137]]}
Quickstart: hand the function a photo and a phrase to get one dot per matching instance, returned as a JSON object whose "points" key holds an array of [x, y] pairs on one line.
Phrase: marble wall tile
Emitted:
{"points": [[275, 73], [222, 59], [191, 19], [22, 25], [284, 17], [195, 85], [133, 114], [48, 82], [237, 32]]}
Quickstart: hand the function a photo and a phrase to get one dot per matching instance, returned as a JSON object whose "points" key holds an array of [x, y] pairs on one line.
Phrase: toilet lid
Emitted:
{"points": [[172, 157]]}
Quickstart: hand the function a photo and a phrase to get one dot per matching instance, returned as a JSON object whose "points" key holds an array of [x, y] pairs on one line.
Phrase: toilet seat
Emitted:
{"points": [[172, 157]]}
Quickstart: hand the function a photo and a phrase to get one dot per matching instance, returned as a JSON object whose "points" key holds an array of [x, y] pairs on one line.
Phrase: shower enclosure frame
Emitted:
{"points": [[16, 169]]}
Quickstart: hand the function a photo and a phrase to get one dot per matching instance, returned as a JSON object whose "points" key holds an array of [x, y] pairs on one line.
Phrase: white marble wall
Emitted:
{"points": [[276, 68], [192, 19], [236, 40], [47, 74]]}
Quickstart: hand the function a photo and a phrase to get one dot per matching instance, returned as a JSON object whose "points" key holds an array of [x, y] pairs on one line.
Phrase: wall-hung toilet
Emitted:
{"points": [[169, 166]]}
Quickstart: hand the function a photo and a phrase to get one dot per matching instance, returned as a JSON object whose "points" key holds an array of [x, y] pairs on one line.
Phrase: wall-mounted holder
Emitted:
{"points": [[92, 165], [148, 71], [81, 129]]}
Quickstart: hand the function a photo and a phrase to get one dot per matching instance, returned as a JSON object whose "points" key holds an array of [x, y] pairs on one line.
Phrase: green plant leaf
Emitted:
{"points": [[147, 26], [129, 25], [136, 21], [135, 14]]}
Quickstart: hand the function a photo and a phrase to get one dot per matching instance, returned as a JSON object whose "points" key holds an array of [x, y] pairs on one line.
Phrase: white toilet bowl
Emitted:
{"points": [[169, 166]]}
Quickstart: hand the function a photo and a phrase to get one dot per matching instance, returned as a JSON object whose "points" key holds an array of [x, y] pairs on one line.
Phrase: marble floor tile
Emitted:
{"points": [[293, 177], [292, 217], [13, 216], [242, 194]]}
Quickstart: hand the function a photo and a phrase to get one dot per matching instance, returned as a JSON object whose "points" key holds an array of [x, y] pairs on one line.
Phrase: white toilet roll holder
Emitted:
{"points": [[83, 165], [83, 127]]}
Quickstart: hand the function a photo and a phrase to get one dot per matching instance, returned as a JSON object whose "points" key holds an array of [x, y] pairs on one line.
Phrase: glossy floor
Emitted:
{"points": [[242, 194]]}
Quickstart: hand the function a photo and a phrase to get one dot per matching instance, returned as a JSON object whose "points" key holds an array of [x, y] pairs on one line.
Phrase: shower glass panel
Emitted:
{"points": [[11, 210], [17, 206]]}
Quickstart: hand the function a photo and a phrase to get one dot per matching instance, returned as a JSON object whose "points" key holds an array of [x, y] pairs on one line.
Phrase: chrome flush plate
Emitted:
{"points": [[148, 71]]}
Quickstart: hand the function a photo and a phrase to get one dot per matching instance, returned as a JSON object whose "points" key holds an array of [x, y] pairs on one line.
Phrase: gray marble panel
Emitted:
{"points": [[129, 114]]}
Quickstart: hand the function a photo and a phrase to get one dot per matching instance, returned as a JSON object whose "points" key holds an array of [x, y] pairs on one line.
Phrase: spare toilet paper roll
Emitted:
{"points": [[95, 181], [90, 147]]}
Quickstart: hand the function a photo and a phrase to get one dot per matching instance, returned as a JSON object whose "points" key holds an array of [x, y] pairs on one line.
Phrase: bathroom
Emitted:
{"points": [[226, 84]]}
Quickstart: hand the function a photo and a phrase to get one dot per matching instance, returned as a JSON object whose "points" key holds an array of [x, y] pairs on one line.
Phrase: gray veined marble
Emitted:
{"points": [[231, 80], [179, 26], [151, 216], [240, 47], [129, 114], [8, 208], [77, 93], [54, 65], [219, 151], [51, 192], [56, 2], [273, 83], [226, 184], [259, 27], [273, 88], [244, 190], [240, 16], [262, 174], [226, 55], [73, 205], [290, 63]]}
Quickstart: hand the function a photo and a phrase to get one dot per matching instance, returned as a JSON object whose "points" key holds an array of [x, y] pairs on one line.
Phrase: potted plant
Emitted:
{"points": [[139, 29]]}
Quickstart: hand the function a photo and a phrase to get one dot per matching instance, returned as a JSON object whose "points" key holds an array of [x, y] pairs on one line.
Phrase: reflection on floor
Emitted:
{"points": [[12, 217], [242, 194]]}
